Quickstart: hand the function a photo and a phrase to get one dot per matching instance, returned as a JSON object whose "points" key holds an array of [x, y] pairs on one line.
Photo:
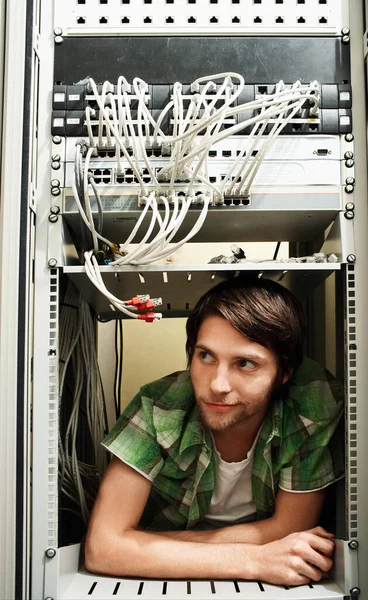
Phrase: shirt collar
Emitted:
{"points": [[195, 432]]}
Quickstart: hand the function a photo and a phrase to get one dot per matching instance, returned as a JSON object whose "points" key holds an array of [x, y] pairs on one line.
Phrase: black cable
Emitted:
{"points": [[120, 362], [276, 250], [99, 205], [116, 371]]}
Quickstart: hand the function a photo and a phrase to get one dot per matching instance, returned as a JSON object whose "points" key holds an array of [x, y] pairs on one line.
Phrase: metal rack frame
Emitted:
{"points": [[52, 567]]}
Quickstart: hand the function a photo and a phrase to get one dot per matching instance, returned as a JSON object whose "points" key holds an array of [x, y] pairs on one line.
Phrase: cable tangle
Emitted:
{"points": [[199, 121]]}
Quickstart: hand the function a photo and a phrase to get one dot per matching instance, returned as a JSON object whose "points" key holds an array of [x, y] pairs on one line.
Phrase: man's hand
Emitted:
{"points": [[296, 559]]}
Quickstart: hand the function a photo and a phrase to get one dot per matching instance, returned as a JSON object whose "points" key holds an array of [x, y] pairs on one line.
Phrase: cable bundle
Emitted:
{"points": [[197, 125], [196, 128], [79, 480]]}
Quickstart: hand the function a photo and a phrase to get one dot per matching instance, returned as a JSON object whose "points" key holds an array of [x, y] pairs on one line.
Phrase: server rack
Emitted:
{"points": [[54, 570]]}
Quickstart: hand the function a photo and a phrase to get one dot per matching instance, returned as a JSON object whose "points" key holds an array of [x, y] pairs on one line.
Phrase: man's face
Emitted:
{"points": [[233, 377]]}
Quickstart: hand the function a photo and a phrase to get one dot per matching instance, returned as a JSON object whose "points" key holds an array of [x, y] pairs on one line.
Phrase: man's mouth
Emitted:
{"points": [[219, 407]]}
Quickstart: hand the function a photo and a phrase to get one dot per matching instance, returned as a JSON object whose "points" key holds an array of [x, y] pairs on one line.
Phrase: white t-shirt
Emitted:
{"points": [[232, 499]]}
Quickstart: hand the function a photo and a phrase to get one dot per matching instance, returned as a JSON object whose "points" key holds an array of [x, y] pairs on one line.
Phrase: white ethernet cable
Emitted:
{"points": [[94, 275]]}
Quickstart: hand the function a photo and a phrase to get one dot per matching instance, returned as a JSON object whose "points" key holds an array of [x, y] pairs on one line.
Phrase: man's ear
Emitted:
{"points": [[287, 376]]}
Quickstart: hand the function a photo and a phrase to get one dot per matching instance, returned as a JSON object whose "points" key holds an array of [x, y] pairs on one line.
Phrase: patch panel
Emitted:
{"points": [[70, 102], [132, 17]]}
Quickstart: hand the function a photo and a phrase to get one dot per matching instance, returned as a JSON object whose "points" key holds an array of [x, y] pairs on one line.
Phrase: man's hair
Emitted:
{"points": [[261, 310]]}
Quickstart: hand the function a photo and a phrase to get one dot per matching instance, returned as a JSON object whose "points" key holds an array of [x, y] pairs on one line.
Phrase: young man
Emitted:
{"points": [[220, 471]]}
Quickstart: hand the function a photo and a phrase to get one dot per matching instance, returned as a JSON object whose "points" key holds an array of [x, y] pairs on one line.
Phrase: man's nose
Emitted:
{"points": [[220, 382]]}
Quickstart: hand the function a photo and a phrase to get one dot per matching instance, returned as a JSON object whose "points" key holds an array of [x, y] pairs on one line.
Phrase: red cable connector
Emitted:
{"points": [[152, 303], [137, 300], [150, 317]]}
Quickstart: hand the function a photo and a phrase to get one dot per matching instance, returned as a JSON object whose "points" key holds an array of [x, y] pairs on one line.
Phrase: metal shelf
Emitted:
{"points": [[180, 286], [228, 224], [77, 585]]}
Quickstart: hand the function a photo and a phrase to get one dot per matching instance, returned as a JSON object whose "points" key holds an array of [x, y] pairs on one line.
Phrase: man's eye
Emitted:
{"points": [[247, 365], [205, 356]]}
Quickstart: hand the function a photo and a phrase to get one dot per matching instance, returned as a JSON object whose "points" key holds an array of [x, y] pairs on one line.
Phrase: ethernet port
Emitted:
{"points": [[212, 153], [120, 178], [97, 175], [106, 175], [236, 202], [157, 152], [212, 179], [181, 194], [226, 153], [128, 171], [228, 201], [129, 179], [146, 179]]}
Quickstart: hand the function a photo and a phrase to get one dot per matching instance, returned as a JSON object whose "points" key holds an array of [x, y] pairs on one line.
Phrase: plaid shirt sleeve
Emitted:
{"points": [[318, 458], [133, 438]]}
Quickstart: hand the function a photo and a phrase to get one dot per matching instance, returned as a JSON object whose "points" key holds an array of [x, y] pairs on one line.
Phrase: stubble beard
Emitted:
{"points": [[223, 421]]}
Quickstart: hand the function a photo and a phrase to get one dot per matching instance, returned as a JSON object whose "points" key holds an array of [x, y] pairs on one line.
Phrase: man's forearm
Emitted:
{"points": [[144, 554], [259, 532]]}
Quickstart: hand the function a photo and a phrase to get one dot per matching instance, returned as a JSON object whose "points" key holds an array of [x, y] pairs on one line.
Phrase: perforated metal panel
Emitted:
{"points": [[85, 585], [181, 285], [53, 404], [351, 481], [132, 17]]}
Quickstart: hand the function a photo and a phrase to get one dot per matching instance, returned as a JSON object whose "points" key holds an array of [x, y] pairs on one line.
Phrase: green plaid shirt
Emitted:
{"points": [[160, 434]]}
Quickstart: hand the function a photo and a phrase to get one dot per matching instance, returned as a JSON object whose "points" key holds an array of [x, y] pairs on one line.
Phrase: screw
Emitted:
{"points": [[349, 163], [56, 183], [349, 206], [350, 180], [55, 165], [49, 598], [355, 592], [348, 154], [52, 263], [348, 189], [353, 544], [345, 39], [59, 31], [58, 39], [54, 218], [56, 209], [57, 139], [351, 258], [345, 31], [349, 137], [50, 552], [56, 157], [56, 191], [349, 214]]}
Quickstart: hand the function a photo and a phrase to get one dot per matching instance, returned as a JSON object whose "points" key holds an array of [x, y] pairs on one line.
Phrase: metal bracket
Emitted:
{"points": [[345, 569]]}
